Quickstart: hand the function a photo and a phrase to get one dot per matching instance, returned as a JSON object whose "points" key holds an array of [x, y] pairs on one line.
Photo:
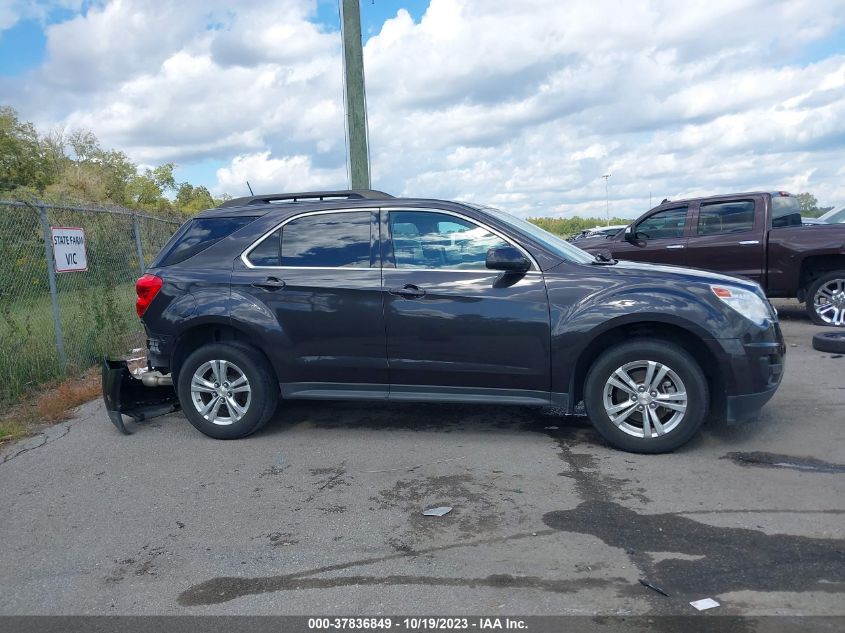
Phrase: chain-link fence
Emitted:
{"points": [[53, 323]]}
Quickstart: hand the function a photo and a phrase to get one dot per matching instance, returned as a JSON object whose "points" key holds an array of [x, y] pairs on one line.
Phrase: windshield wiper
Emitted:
{"points": [[603, 260]]}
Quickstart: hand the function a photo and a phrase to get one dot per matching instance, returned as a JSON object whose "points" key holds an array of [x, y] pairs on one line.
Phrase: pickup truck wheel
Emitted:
{"points": [[826, 299], [646, 396], [227, 390]]}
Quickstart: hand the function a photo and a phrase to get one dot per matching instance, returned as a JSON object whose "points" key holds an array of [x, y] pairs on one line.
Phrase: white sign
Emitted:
{"points": [[69, 249]]}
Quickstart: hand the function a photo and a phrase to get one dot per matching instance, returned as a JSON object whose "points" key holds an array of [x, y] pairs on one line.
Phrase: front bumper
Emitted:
{"points": [[751, 370], [124, 394], [747, 407]]}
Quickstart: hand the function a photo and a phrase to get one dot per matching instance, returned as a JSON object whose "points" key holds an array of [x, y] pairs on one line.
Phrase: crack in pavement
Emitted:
{"points": [[225, 588], [47, 437]]}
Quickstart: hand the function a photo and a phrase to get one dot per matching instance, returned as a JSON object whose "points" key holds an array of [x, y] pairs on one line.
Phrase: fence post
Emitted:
{"points": [[51, 276], [136, 228]]}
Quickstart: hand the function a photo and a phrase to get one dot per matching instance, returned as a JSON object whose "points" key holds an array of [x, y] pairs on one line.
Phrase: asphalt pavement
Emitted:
{"points": [[320, 512]]}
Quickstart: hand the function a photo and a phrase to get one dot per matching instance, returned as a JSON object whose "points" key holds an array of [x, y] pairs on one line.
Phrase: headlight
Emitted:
{"points": [[745, 302]]}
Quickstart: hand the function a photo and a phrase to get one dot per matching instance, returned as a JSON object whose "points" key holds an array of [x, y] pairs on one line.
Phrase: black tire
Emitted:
{"points": [[833, 342], [263, 396], [684, 367], [810, 302]]}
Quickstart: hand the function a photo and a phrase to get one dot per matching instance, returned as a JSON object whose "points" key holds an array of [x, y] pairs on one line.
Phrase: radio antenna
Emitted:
{"points": [[250, 188]]}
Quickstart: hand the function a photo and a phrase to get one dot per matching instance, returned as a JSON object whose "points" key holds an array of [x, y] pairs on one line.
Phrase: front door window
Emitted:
{"points": [[424, 239], [666, 224]]}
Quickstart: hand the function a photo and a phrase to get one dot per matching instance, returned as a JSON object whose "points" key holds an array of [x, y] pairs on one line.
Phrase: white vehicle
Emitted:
{"points": [[598, 231], [834, 216]]}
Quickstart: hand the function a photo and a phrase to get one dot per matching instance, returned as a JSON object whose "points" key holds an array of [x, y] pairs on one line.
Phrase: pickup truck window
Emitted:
{"points": [[664, 224], [785, 212], [726, 217]]}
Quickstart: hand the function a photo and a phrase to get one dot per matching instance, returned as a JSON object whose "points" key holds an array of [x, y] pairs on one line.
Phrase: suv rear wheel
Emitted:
{"points": [[646, 396], [826, 299], [227, 390]]}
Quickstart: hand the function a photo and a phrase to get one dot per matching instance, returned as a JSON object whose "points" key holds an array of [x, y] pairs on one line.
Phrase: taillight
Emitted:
{"points": [[146, 288]]}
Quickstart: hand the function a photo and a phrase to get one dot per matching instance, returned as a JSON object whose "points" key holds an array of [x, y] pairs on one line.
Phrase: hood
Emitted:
{"points": [[686, 274], [675, 273]]}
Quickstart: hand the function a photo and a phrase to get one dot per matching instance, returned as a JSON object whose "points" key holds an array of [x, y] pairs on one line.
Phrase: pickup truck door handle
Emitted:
{"points": [[271, 283], [674, 246], [408, 291], [749, 242]]}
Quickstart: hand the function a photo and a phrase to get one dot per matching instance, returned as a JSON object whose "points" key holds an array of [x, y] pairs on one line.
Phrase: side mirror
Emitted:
{"points": [[508, 259]]}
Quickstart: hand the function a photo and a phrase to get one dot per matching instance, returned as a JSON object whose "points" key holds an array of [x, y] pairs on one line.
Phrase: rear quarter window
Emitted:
{"points": [[198, 234]]}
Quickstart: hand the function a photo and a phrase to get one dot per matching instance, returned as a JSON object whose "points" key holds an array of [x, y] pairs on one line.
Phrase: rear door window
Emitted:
{"points": [[328, 240], [668, 223], [716, 218]]}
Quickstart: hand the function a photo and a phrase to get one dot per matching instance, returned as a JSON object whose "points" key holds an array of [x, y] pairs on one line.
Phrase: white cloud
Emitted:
{"points": [[292, 173], [524, 104]]}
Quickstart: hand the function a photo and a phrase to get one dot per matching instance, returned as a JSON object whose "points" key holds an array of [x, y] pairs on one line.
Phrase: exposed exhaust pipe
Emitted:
{"points": [[156, 379]]}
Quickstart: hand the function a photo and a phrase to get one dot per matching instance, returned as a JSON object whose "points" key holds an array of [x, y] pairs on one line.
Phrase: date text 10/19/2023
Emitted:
{"points": [[416, 623]]}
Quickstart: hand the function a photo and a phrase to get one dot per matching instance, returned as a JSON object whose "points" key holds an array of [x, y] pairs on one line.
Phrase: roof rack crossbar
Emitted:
{"points": [[348, 194]]}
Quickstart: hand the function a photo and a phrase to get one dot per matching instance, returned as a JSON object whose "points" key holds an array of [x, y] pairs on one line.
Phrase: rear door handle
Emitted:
{"points": [[674, 246], [408, 291], [749, 242], [271, 283]]}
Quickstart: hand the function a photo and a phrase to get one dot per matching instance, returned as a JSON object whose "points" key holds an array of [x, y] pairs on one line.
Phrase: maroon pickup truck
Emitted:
{"points": [[755, 235]]}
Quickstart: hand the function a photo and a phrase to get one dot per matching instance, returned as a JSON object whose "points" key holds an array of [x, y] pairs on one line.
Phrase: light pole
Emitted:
{"points": [[606, 197], [355, 98]]}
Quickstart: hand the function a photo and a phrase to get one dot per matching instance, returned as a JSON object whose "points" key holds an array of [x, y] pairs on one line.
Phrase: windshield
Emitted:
{"points": [[552, 242]]}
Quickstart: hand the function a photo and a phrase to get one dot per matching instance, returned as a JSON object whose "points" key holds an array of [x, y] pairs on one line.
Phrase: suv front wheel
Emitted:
{"points": [[227, 390], [646, 396]]}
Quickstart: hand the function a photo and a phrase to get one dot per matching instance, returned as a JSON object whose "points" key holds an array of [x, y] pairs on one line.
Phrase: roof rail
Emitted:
{"points": [[349, 194]]}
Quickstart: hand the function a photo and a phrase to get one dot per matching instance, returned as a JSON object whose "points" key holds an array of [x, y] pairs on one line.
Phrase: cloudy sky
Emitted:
{"points": [[519, 103]]}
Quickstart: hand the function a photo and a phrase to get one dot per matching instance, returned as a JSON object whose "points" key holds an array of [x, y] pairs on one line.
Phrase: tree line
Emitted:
{"points": [[72, 167]]}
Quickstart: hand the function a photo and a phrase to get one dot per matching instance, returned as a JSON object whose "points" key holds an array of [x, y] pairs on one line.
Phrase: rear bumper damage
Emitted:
{"points": [[140, 399]]}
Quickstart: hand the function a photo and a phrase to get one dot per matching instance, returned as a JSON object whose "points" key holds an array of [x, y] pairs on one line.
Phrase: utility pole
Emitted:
{"points": [[606, 197], [358, 152]]}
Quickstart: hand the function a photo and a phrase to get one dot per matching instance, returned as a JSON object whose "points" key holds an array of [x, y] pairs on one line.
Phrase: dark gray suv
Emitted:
{"points": [[357, 295]]}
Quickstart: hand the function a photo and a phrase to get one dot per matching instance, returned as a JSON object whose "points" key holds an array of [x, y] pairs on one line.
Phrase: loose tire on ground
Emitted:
{"points": [[643, 362], [825, 301], [833, 342], [253, 410]]}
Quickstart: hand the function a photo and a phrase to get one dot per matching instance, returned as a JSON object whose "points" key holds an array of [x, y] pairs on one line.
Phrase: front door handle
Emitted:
{"points": [[408, 291], [674, 246], [271, 283], [749, 242]]}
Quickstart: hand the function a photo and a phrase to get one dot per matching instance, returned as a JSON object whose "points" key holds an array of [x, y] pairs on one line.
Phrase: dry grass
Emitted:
{"points": [[53, 404]]}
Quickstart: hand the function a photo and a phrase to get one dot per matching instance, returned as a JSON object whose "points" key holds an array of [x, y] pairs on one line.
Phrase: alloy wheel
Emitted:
{"points": [[221, 392], [645, 399], [829, 302]]}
